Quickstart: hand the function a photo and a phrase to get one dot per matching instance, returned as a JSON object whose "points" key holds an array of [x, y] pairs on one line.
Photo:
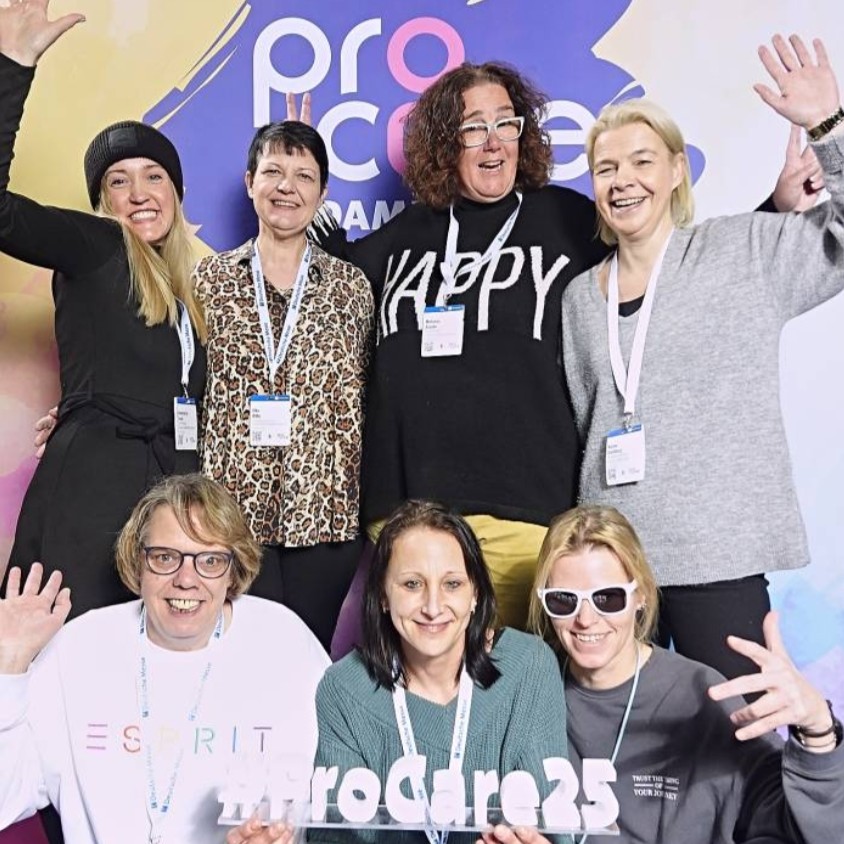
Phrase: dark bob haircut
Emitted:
{"points": [[431, 144], [382, 644], [291, 136]]}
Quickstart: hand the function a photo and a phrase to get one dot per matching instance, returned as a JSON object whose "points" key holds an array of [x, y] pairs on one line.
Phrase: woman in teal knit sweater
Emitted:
{"points": [[429, 644], [433, 662], [429, 613]]}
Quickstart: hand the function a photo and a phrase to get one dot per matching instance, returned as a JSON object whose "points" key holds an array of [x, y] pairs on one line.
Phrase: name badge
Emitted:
{"points": [[269, 420], [442, 331], [184, 422], [626, 455]]}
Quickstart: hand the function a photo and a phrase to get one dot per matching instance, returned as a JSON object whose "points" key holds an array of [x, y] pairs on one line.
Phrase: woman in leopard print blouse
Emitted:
{"points": [[301, 497]]}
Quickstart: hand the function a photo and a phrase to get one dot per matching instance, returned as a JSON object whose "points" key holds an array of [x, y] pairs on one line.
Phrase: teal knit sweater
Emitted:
{"points": [[515, 724]]}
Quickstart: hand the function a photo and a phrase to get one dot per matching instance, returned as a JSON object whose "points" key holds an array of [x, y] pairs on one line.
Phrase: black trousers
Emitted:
{"points": [[311, 581], [698, 619]]}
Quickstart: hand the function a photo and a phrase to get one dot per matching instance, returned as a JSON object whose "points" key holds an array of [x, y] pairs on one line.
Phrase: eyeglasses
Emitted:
{"points": [[208, 564], [565, 603], [505, 128]]}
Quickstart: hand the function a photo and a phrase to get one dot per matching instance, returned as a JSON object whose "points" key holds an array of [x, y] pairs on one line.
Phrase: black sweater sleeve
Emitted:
{"points": [[367, 253], [55, 238]]}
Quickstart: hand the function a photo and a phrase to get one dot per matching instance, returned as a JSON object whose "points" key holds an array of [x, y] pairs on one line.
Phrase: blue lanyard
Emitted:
{"points": [[274, 361], [448, 267], [624, 718], [458, 744], [187, 344], [157, 809]]}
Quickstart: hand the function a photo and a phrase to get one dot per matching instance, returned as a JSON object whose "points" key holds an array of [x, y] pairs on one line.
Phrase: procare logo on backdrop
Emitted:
{"points": [[365, 64]]}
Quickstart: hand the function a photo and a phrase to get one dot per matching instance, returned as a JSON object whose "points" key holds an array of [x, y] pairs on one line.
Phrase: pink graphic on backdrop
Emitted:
{"points": [[365, 63], [12, 489], [402, 37]]}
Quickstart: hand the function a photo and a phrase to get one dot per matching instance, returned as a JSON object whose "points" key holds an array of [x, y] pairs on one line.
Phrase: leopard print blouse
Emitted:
{"points": [[308, 492]]}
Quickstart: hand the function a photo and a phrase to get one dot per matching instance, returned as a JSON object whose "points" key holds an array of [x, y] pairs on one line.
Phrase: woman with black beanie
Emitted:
{"points": [[129, 330]]}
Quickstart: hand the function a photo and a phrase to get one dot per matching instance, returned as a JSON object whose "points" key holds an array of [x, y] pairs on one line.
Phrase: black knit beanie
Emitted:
{"points": [[129, 139]]}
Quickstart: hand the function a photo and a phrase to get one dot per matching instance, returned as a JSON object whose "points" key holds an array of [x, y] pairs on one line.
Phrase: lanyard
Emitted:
{"points": [[292, 317], [458, 740], [627, 381], [157, 809], [448, 266], [624, 718], [187, 344]]}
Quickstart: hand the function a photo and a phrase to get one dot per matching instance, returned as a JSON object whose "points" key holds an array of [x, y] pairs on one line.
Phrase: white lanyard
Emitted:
{"points": [[292, 317], [627, 382], [448, 266], [187, 344], [458, 739], [624, 718], [157, 810]]}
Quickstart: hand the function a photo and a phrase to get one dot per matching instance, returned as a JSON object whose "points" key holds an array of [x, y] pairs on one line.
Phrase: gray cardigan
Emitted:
{"points": [[717, 501]]}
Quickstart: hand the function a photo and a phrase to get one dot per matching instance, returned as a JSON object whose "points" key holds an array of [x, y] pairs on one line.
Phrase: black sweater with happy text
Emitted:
{"points": [[491, 431]]}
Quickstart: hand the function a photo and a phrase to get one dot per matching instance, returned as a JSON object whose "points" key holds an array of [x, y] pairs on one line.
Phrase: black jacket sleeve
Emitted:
{"points": [[55, 238]]}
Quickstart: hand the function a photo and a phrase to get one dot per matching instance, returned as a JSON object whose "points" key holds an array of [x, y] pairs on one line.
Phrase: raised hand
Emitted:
{"points": [[789, 698], [801, 178], [29, 618], [254, 832], [25, 32], [808, 90], [293, 112]]}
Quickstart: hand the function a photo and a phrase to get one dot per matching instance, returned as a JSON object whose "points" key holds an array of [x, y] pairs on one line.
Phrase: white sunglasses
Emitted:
{"points": [[565, 603]]}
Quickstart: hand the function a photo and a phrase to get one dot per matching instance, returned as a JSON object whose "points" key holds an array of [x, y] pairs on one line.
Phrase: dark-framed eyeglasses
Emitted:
{"points": [[475, 134], [565, 603], [208, 564]]}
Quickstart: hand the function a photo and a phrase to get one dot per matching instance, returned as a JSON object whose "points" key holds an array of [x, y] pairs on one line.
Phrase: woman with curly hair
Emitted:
{"points": [[466, 401]]}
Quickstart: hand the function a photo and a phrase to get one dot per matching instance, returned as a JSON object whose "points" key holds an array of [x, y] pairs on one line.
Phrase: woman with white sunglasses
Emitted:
{"points": [[691, 765]]}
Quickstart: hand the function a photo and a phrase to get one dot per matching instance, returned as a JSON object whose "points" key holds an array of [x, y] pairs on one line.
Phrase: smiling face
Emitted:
{"points": [[141, 195], [601, 648], [429, 597], [182, 608], [633, 176], [487, 172], [285, 190]]}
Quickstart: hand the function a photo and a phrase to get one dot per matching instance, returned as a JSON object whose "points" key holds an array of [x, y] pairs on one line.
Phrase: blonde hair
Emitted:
{"points": [[159, 276], [206, 512], [639, 110], [583, 529]]}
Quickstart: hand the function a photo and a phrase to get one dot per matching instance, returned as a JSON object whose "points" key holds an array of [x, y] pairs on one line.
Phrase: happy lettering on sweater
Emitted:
{"points": [[411, 283]]}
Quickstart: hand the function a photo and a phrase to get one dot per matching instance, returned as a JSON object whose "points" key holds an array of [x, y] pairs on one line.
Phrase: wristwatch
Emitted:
{"points": [[800, 734]]}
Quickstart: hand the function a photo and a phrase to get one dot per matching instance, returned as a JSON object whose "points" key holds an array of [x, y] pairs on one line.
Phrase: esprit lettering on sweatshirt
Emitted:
{"points": [[656, 785], [197, 739], [408, 284]]}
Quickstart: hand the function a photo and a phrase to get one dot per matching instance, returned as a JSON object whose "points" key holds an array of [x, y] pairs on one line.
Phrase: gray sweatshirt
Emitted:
{"points": [[683, 777], [718, 500]]}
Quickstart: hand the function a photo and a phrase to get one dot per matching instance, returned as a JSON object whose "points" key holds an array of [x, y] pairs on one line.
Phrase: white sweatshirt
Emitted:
{"points": [[70, 727]]}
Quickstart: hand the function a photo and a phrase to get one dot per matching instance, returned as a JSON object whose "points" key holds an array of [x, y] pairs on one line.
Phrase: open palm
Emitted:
{"points": [[30, 617], [25, 31]]}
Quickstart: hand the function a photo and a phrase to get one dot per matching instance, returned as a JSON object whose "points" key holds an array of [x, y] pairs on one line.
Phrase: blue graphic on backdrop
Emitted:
{"points": [[366, 63]]}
